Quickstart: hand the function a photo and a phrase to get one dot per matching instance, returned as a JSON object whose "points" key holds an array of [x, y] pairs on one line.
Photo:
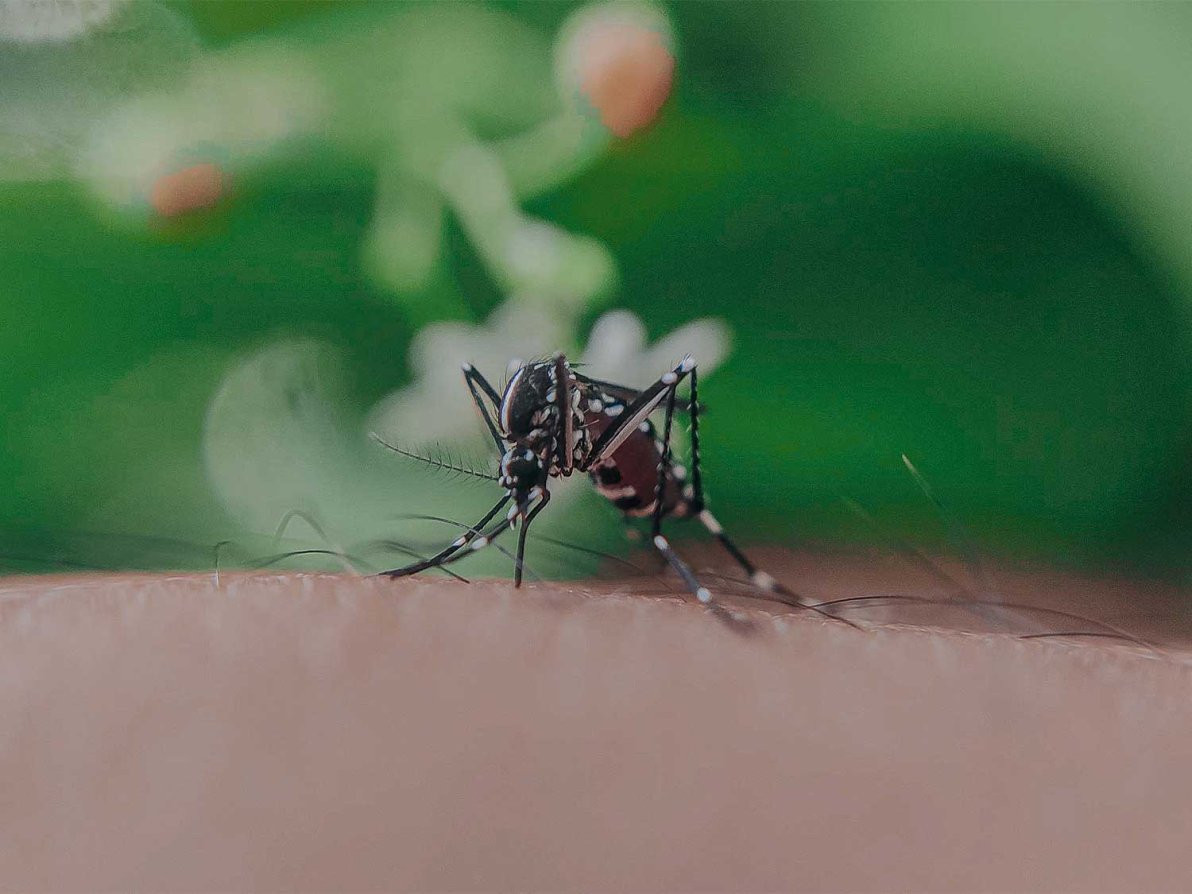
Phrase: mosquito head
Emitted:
{"points": [[522, 470]]}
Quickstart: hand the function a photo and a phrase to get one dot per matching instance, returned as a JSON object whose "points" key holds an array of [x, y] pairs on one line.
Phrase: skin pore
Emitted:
{"points": [[305, 731]]}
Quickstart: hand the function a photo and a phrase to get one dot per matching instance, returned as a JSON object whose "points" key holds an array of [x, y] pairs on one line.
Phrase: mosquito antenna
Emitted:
{"points": [[959, 533], [445, 465]]}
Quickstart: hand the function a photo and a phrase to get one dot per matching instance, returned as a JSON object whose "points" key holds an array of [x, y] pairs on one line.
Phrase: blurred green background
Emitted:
{"points": [[958, 232]]}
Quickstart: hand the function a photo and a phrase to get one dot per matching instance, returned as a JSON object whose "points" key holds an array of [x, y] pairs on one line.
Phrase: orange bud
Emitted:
{"points": [[190, 189], [626, 71]]}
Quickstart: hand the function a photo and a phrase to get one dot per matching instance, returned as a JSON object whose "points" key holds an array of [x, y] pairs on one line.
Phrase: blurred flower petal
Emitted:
{"points": [[708, 340], [54, 21], [438, 406], [58, 87], [616, 339], [617, 349]]}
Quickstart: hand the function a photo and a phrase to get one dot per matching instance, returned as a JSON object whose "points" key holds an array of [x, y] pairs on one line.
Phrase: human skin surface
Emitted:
{"points": [[327, 732]]}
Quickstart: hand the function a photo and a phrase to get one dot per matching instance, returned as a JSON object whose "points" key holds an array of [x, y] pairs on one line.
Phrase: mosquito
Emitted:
{"points": [[552, 421]]}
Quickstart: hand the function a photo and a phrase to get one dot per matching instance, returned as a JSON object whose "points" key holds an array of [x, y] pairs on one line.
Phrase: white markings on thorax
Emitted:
{"points": [[507, 403]]}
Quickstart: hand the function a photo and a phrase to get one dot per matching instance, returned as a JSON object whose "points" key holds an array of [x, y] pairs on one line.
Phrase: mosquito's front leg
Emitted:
{"points": [[519, 562], [476, 381], [445, 555]]}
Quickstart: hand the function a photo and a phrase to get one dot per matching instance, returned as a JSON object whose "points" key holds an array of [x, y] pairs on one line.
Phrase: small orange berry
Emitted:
{"points": [[190, 189], [626, 71]]}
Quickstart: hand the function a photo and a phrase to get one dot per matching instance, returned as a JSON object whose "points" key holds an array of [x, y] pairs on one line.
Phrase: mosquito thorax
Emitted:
{"points": [[529, 412], [525, 406]]}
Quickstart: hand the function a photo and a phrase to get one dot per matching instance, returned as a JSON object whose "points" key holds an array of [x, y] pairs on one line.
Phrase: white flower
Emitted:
{"points": [[617, 349], [438, 406], [65, 66], [544, 264], [246, 102], [54, 21], [414, 92]]}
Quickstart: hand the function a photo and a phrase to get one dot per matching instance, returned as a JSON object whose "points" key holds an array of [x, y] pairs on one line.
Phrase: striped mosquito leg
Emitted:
{"points": [[759, 578], [483, 540], [445, 555], [697, 480], [756, 577], [695, 500], [475, 381], [519, 562], [682, 569], [660, 542], [698, 590], [479, 543], [664, 459]]}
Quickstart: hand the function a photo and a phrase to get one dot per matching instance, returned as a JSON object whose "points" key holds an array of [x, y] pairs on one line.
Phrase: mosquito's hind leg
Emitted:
{"points": [[481, 390], [702, 593], [694, 498], [698, 590], [695, 505], [757, 577]]}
